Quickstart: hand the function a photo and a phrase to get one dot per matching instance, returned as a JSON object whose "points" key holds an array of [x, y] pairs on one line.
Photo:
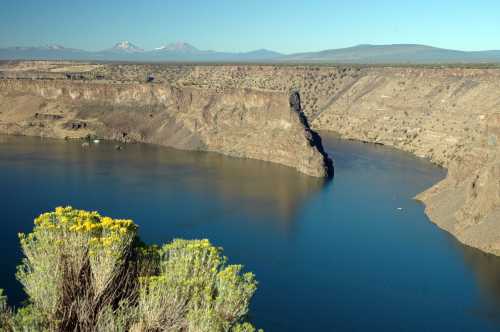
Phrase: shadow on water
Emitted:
{"points": [[473, 287], [190, 189], [486, 269], [275, 189], [336, 255]]}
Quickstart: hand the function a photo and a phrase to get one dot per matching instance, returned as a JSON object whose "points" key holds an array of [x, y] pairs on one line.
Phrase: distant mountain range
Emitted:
{"points": [[397, 54], [184, 52]]}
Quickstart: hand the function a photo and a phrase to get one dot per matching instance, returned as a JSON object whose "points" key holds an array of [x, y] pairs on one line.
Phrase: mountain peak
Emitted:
{"points": [[178, 47], [182, 51], [127, 47], [55, 47]]}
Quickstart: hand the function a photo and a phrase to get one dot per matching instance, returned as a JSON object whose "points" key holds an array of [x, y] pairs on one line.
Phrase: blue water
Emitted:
{"points": [[329, 256]]}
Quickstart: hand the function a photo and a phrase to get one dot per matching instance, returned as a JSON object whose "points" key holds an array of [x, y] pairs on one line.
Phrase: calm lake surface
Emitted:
{"points": [[334, 256]]}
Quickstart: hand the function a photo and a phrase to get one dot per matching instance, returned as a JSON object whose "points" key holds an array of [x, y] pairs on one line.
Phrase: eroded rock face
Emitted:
{"points": [[448, 115], [452, 117], [467, 202], [241, 123]]}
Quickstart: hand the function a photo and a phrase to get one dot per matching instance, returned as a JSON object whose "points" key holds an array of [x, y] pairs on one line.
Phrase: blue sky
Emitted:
{"points": [[242, 25]]}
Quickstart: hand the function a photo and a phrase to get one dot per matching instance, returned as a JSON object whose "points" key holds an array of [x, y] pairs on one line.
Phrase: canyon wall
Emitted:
{"points": [[239, 122], [449, 115]]}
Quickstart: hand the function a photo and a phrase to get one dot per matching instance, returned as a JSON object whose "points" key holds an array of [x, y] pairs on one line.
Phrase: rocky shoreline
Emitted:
{"points": [[450, 116], [240, 123]]}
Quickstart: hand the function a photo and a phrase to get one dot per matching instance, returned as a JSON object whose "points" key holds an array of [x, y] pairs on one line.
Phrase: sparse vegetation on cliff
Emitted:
{"points": [[86, 272]]}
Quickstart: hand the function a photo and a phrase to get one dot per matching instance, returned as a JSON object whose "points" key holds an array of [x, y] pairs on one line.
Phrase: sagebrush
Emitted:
{"points": [[85, 272]]}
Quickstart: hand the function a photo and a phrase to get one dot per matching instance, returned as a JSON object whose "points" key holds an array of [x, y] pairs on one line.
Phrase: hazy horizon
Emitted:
{"points": [[282, 26], [242, 51]]}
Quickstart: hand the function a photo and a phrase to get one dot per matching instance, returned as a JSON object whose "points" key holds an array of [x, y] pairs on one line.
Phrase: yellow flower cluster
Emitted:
{"points": [[192, 246], [104, 242], [74, 220], [103, 231]]}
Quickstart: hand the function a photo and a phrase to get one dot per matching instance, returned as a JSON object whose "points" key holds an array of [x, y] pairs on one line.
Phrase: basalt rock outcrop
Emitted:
{"points": [[238, 122], [449, 115]]}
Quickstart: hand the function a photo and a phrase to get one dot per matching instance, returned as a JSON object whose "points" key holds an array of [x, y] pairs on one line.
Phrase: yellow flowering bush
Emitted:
{"points": [[87, 272], [195, 283], [69, 247]]}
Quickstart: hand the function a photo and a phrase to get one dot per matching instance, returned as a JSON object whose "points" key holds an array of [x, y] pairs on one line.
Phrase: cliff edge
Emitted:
{"points": [[243, 123], [450, 116]]}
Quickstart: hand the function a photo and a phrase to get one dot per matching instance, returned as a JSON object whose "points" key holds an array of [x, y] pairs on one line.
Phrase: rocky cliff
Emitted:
{"points": [[452, 117], [238, 122], [449, 115]]}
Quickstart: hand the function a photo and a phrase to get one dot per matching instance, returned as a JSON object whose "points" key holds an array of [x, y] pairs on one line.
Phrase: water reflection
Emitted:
{"points": [[327, 251], [258, 187], [486, 268]]}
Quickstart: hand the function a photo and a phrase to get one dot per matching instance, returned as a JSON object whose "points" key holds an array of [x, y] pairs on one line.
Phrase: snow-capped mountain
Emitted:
{"points": [[184, 52], [47, 52], [178, 47], [127, 51], [50, 47], [55, 47], [127, 47]]}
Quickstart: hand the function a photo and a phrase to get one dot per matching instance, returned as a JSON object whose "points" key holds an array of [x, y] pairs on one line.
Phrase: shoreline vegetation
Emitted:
{"points": [[85, 272]]}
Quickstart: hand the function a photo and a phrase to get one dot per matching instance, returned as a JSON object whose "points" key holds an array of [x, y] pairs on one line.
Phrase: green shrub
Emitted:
{"points": [[5, 313], [28, 318], [3, 301], [194, 282], [86, 272]]}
